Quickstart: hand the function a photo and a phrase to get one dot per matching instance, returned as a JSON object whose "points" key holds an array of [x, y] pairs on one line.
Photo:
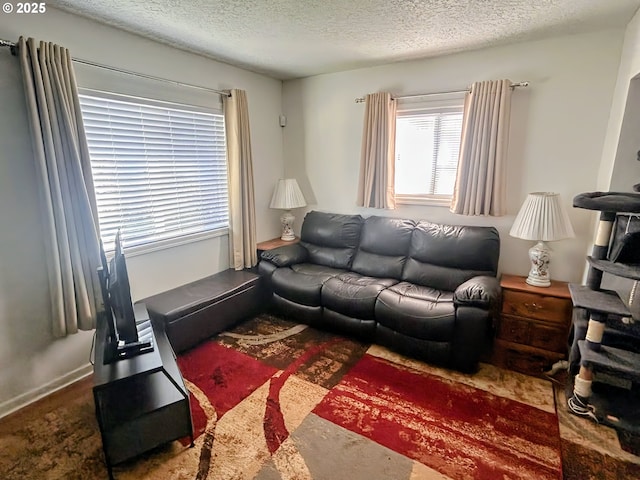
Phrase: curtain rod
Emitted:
{"points": [[12, 45], [419, 95]]}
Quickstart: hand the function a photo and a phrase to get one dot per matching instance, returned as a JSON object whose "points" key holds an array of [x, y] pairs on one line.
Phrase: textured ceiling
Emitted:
{"points": [[298, 38]]}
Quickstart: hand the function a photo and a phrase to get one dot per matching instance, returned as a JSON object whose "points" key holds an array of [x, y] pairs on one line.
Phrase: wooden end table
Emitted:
{"points": [[274, 243], [533, 326]]}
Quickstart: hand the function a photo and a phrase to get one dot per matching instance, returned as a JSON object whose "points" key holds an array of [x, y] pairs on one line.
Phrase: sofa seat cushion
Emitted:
{"points": [[302, 282], [421, 312], [353, 294]]}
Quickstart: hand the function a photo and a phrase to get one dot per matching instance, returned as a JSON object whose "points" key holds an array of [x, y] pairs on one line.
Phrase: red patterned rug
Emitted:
{"points": [[458, 430], [273, 400]]}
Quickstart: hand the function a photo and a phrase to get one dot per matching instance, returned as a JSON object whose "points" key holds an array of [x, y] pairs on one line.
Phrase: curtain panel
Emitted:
{"points": [[69, 212], [480, 187], [377, 161], [242, 210]]}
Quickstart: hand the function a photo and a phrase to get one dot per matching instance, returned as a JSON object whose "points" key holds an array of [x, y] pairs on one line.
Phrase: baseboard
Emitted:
{"points": [[29, 397]]}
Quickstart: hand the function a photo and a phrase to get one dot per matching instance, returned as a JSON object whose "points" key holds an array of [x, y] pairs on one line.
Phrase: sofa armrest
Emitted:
{"points": [[481, 291], [286, 255]]}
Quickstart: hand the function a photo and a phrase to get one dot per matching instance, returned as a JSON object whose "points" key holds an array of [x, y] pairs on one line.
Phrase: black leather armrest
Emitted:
{"points": [[481, 291], [287, 255]]}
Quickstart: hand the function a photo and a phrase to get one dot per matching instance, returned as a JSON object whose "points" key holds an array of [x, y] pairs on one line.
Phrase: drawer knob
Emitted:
{"points": [[533, 306]]}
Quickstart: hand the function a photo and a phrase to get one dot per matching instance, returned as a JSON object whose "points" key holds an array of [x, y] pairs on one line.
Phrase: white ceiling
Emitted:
{"points": [[298, 38]]}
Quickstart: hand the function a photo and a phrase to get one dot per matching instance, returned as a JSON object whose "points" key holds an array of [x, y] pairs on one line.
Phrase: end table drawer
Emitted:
{"points": [[513, 329], [519, 330], [549, 338], [529, 360], [524, 304]]}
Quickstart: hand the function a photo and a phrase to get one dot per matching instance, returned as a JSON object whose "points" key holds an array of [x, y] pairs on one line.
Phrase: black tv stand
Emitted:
{"points": [[141, 401]]}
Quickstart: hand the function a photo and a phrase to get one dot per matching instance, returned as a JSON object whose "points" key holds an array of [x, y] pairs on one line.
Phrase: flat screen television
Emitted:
{"points": [[123, 339]]}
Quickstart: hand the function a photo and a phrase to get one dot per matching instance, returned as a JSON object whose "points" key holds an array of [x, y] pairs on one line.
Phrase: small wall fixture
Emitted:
{"points": [[286, 196], [542, 218]]}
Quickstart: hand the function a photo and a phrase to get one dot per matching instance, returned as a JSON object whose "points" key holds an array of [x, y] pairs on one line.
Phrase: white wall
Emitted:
{"points": [[32, 362], [558, 126], [619, 169]]}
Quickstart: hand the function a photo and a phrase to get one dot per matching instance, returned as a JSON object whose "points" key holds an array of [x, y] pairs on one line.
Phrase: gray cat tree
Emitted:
{"points": [[605, 354]]}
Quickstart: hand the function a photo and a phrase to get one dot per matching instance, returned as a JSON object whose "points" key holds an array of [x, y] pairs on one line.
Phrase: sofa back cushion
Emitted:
{"points": [[384, 245], [330, 238], [444, 256]]}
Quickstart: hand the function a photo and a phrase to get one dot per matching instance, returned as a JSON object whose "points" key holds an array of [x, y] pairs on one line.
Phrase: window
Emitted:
{"points": [[427, 148], [159, 168]]}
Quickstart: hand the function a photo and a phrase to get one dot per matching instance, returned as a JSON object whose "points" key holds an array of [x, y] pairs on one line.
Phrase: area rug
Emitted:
{"points": [[276, 400]]}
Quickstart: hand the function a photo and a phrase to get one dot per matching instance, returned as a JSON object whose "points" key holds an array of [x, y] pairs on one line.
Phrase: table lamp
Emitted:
{"points": [[542, 218], [287, 195]]}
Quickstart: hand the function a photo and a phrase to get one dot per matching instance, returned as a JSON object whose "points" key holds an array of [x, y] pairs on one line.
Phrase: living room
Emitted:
{"points": [[565, 137]]}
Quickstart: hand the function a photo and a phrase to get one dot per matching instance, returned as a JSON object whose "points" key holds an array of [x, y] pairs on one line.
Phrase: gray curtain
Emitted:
{"points": [[69, 214], [480, 187], [376, 181], [242, 209]]}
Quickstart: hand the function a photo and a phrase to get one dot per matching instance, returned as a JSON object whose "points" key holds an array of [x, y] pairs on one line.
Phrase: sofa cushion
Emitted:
{"points": [[302, 282], [384, 245], [331, 239], [312, 269], [417, 311], [436, 276], [444, 256], [353, 294]]}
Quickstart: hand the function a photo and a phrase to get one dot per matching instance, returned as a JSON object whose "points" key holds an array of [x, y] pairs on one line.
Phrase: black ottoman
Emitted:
{"points": [[198, 310]]}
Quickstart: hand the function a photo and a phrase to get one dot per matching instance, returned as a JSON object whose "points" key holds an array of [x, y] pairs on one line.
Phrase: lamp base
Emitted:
{"points": [[287, 220], [540, 256]]}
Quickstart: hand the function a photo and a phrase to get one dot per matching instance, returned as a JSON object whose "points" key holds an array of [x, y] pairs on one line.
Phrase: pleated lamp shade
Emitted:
{"points": [[287, 195], [542, 218]]}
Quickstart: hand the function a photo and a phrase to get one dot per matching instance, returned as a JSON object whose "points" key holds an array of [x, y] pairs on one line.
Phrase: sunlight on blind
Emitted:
{"points": [[160, 172], [427, 148]]}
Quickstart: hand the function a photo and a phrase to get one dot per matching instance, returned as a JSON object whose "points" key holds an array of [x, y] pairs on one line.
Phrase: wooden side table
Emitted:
{"points": [[534, 326], [274, 243]]}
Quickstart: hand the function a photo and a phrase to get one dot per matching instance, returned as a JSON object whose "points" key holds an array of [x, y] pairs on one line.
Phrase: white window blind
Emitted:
{"points": [[427, 149], [159, 169]]}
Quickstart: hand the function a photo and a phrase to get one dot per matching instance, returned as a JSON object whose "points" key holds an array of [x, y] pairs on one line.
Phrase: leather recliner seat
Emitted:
{"points": [[330, 242], [349, 299], [421, 288]]}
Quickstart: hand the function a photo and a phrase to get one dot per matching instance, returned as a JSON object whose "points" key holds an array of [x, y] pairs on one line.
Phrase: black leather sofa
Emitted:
{"points": [[423, 289]]}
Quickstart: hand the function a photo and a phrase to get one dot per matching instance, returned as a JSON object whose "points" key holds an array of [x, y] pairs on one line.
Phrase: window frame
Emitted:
{"points": [[436, 103], [166, 243]]}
